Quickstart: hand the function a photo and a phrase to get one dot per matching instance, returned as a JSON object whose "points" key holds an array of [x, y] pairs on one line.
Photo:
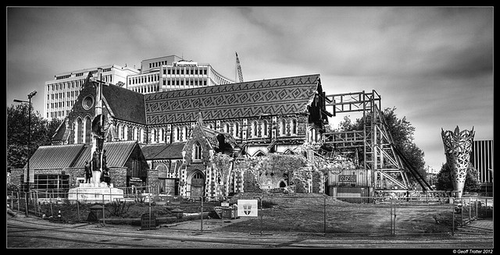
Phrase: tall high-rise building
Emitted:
{"points": [[171, 73], [482, 160], [61, 93]]}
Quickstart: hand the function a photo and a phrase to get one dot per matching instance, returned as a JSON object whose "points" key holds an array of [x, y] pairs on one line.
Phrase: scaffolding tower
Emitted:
{"points": [[385, 166]]}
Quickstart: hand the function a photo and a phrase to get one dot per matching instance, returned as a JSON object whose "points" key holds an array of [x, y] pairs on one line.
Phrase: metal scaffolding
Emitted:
{"points": [[386, 167]]}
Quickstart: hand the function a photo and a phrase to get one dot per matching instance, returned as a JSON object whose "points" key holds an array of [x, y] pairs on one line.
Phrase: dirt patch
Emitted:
{"points": [[314, 213], [318, 214]]}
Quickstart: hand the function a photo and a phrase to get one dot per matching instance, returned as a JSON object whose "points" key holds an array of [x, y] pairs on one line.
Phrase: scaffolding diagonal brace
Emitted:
{"points": [[380, 157]]}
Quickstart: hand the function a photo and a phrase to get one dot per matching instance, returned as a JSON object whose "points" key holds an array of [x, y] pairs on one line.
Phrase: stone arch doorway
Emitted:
{"points": [[197, 181]]}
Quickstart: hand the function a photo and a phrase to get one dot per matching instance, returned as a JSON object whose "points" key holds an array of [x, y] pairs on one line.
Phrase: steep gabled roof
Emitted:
{"points": [[163, 151], [117, 153], [56, 156], [237, 100], [122, 103], [125, 104]]}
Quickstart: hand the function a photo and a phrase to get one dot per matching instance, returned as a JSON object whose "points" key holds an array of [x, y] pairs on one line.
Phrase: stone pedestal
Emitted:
{"points": [[94, 193]]}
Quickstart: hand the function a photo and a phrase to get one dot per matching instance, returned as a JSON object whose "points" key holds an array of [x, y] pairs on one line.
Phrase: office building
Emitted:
{"points": [[61, 93], [482, 160], [172, 73]]}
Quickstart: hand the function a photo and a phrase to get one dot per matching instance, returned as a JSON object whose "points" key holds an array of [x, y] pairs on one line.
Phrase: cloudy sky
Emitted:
{"points": [[434, 64]]}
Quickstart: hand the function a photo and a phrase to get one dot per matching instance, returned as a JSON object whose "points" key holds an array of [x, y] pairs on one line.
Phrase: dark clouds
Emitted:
{"points": [[434, 64]]}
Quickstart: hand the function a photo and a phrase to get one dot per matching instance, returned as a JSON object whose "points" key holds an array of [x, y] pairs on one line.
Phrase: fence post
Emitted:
{"points": [[149, 209], [453, 221], [26, 198], [324, 215], [395, 206], [201, 214], [12, 200], [103, 216], [477, 212], [260, 198], [35, 202], [51, 209], [462, 212], [470, 209], [77, 209], [391, 215]]}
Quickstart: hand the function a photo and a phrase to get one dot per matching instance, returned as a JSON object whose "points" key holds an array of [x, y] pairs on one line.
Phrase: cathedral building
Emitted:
{"points": [[187, 142]]}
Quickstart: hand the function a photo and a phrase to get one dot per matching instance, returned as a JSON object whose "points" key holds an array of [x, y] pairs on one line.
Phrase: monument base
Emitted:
{"points": [[458, 189], [94, 193]]}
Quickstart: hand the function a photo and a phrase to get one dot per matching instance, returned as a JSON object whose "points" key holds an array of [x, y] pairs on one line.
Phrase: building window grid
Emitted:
{"points": [[50, 181]]}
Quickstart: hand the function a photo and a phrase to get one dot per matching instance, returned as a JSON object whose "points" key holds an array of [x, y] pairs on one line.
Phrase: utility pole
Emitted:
{"points": [[30, 95]]}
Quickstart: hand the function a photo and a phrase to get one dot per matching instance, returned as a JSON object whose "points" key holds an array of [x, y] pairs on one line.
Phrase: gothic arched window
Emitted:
{"points": [[79, 131], [186, 135], [264, 128], [294, 126], [255, 129], [176, 134], [196, 151], [236, 130], [283, 127]]}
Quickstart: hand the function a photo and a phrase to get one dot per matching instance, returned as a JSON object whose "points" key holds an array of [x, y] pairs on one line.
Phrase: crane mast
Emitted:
{"points": [[238, 68]]}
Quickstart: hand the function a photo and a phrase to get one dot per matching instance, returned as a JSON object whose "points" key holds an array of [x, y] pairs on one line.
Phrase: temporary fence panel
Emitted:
{"points": [[301, 212]]}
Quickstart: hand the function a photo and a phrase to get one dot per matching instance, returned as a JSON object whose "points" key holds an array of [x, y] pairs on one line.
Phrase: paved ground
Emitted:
{"points": [[33, 232]]}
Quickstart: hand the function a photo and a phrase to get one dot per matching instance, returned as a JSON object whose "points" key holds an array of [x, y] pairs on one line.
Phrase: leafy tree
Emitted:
{"points": [[17, 133], [444, 181], [401, 131]]}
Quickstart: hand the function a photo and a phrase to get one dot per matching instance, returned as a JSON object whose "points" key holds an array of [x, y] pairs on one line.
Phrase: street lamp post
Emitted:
{"points": [[30, 95]]}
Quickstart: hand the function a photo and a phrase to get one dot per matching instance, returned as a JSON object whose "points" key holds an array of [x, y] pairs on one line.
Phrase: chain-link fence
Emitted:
{"points": [[309, 213]]}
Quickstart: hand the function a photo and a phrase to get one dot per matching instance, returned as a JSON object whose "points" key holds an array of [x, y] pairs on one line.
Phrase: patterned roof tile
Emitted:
{"points": [[238, 100]]}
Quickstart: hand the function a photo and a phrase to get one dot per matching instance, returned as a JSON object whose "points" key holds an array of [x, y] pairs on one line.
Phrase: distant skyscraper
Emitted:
{"points": [[482, 159]]}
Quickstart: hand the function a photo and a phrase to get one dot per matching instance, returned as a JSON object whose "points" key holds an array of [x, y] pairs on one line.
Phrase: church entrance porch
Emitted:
{"points": [[196, 184]]}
